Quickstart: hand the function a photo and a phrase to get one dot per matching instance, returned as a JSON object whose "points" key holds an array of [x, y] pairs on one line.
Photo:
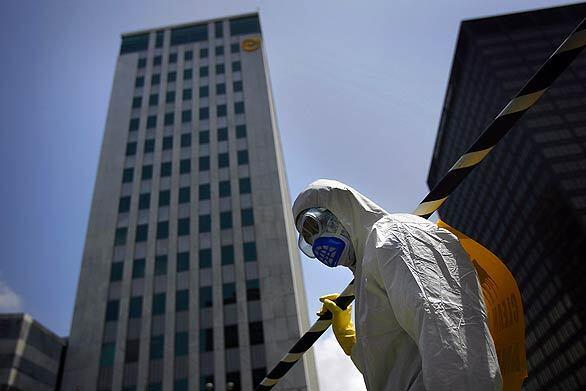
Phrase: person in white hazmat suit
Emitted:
{"points": [[421, 321]]}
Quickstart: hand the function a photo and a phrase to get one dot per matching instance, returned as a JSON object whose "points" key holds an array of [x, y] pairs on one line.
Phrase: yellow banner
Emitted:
{"points": [[506, 320]]}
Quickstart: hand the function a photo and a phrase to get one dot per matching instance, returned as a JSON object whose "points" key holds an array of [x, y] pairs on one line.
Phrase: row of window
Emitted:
{"points": [[204, 92], [183, 226], [183, 262], [144, 200], [204, 71], [184, 166], [188, 55]]}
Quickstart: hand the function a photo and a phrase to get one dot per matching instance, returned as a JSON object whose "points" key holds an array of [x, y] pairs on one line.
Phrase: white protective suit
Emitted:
{"points": [[421, 322]]}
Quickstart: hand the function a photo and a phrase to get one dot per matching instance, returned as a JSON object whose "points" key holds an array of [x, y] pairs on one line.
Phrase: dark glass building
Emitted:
{"points": [[527, 201]]}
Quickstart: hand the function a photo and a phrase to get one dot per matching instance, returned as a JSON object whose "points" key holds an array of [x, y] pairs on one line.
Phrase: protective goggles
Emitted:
{"points": [[318, 224]]}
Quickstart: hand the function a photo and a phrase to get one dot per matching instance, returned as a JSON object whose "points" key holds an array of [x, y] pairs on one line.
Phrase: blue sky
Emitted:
{"points": [[358, 89]]}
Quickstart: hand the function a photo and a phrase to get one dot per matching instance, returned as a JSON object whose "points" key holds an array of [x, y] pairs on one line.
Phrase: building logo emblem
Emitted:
{"points": [[251, 44]]}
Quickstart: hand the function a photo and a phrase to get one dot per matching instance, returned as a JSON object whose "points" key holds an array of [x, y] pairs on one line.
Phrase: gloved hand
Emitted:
{"points": [[341, 322]]}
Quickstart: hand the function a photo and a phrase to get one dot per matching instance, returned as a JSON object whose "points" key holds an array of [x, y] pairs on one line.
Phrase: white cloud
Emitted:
{"points": [[336, 371], [9, 300]]}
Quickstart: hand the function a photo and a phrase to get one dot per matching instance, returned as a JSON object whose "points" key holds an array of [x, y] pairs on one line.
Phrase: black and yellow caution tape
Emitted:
{"points": [[523, 101]]}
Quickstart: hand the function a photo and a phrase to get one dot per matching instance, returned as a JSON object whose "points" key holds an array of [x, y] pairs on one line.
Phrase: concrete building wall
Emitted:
{"points": [[101, 349]]}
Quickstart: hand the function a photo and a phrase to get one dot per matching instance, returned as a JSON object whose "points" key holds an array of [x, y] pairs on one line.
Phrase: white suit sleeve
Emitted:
{"points": [[435, 295]]}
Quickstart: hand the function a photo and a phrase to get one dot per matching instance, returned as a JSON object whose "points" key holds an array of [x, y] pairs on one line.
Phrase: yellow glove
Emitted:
{"points": [[341, 322]]}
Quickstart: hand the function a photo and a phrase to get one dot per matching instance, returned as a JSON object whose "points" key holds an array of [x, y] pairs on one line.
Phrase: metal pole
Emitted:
{"points": [[504, 121]]}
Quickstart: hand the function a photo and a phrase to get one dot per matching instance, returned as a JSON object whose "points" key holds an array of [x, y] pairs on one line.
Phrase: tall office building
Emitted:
{"points": [[527, 201], [190, 272]]}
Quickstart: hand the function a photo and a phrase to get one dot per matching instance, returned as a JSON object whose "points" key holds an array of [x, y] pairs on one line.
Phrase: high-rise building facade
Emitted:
{"points": [[31, 356], [527, 201], [190, 272]]}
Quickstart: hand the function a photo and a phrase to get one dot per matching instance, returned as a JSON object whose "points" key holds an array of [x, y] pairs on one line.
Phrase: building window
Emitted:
{"points": [[204, 92], [186, 116], [172, 58], [252, 290], [204, 113], [236, 66], [205, 258], [219, 50], [183, 227], [203, 71], [131, 149], [120, 236], [127, 175], [205, 223], [185, 166], [144, 201], [234, 48], [249, 250], [221, 111], [159, 301], [164, 197], [228, 255], [182, 262], [107, 355], [157, 347], [184, 195], [112, 308], [223, 160], [247, 217], [133, 124], [206, 340], [220, 88], [157, 60], [138, 268], [142, 231], [204, 137], [124, 205], [240, 131], [242, 157], [244, 185], [147, 172], [182, 300], [204, 163], [154, 99], [218, 31], [141, 63], [149, 145], [153, 387], [166, 169], [224, 188], [161, 265], [116, 271], [135, 307], [220, 69], [170, 97], [226, 220], [256, 333], [258, 375], [204, 192], [203, 52], [155, 79], [188, 55], [234, 378], [139, 82], [181, 344], [239, 107], [172, 77], [159, 39], [180, 385], [151, 121], [136, 102], [237, 86], [187, 74], [229, 293], [167, 143], [162, 230], [231, 336], [185, 140], [205, 297], [170, 117], [222, 134]]}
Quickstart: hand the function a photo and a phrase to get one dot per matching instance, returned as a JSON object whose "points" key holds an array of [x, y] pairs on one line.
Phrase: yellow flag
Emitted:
{"points": [[505, 309]]}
